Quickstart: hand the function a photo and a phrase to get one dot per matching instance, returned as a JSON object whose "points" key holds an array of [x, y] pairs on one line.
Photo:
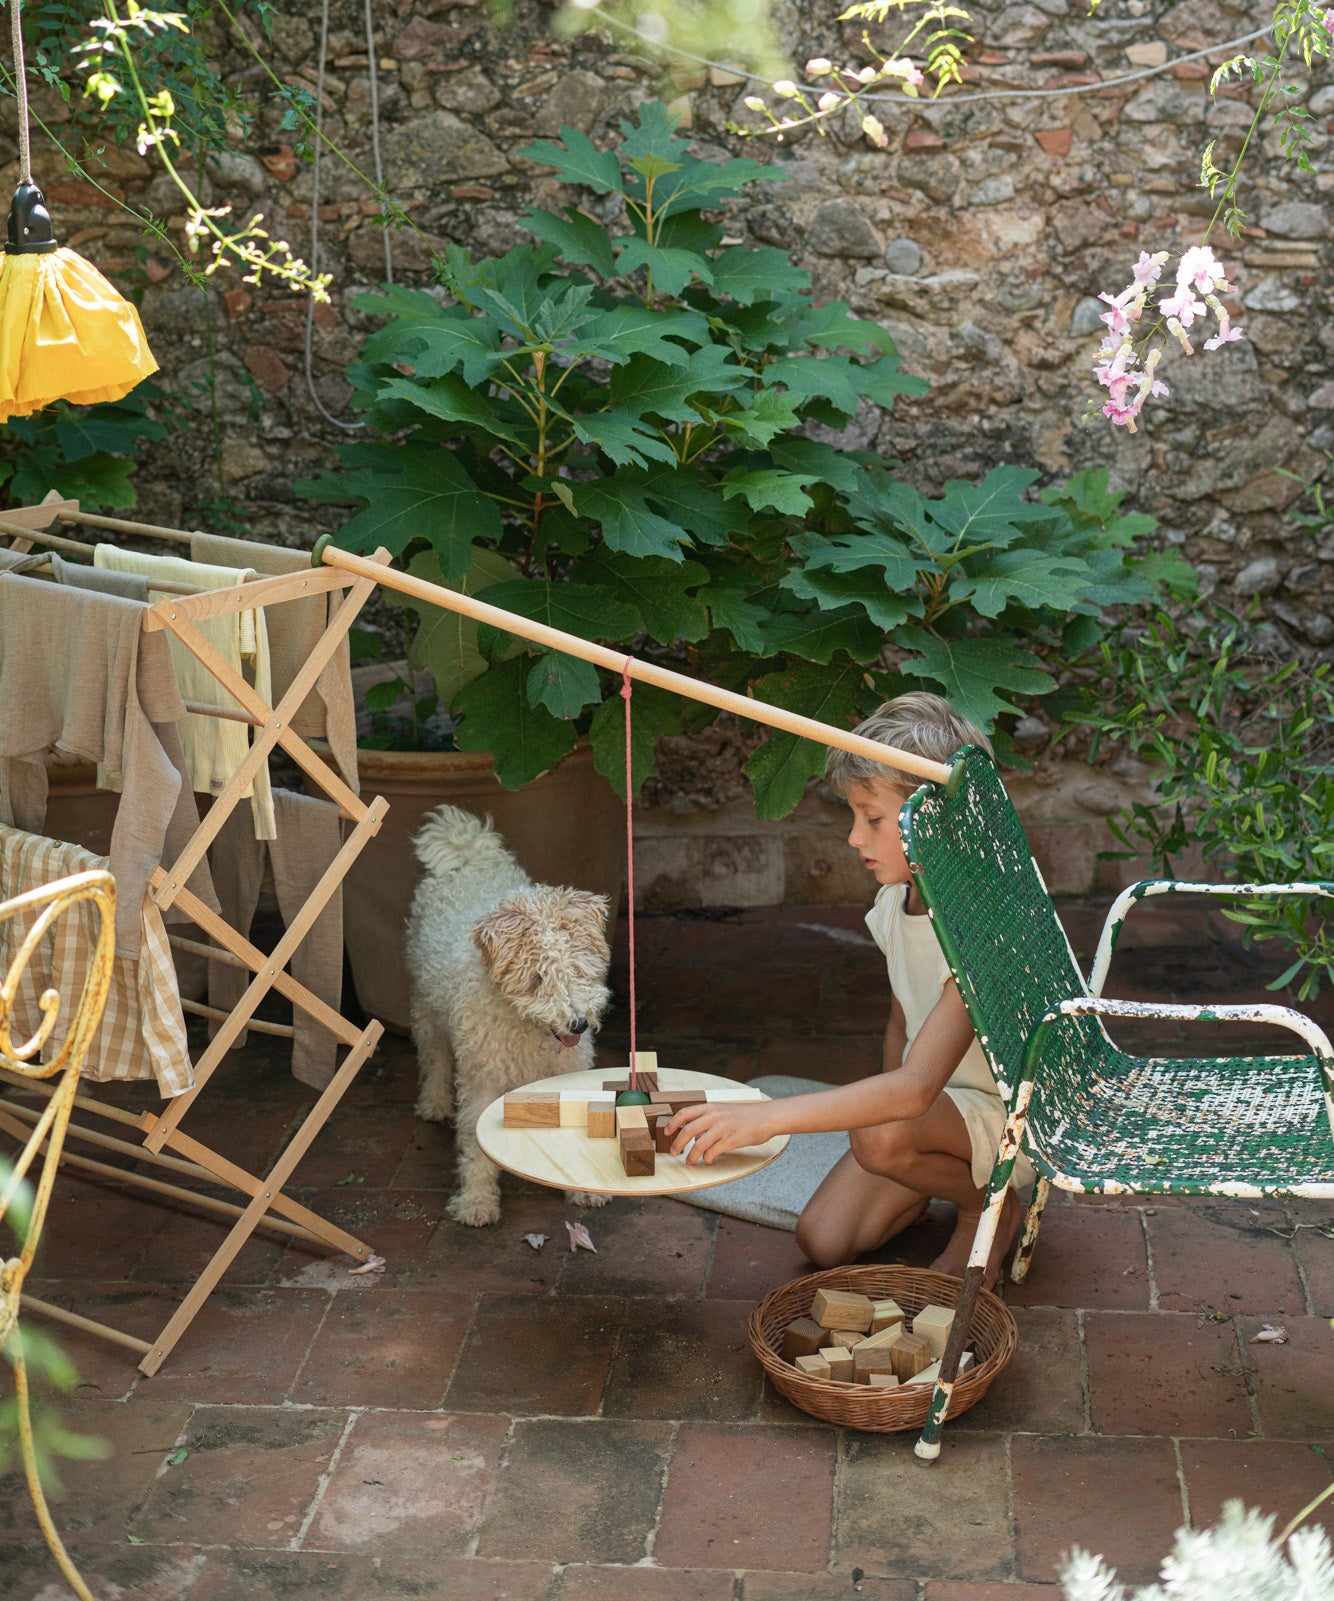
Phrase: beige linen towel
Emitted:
{"points": [[78, 672], [309, 837], [295, 627], [214, 746], [142, 1033]]}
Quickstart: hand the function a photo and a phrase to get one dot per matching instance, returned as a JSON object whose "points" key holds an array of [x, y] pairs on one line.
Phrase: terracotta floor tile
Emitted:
{"points": [[259, 1575], [106, 1371], [28, 1572], [1086, 1256], [360, 1143], [1117, 1498], [96, 1231], [1293, 1392], [186, 1241], [890, 1519], [946, 1590], [683, 1359], [249, 1476], [384, 1347], [1312, 1223], [529, 1354], [749, 1260], [1164, 1373], [100, 1496], [1272, 1476], [496, 1258], [424, 1578], [243, 1347], [409, 1482], [577, 1490], [1224, 1257], [583, 1583], [644, 1247], [824, 1587], [397, 1224], [1042, 1389], [389, 1076], [748, 1496], [427, 1162]]}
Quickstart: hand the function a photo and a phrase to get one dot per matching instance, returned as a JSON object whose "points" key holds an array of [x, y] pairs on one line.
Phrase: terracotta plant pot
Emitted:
{"points": [[568, 827]]}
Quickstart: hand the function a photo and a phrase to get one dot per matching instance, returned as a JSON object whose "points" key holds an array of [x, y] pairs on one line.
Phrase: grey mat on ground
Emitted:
{"points": [[777, 1194]]}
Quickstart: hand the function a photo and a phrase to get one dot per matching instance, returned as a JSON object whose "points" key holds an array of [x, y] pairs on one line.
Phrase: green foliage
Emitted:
{"points": [[619, 419], [1243, 745], [85, 453]]}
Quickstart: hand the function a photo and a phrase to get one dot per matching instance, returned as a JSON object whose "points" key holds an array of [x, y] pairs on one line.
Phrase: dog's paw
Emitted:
{"points": [[433, 1111], [477, 1214], [584, 1200]]}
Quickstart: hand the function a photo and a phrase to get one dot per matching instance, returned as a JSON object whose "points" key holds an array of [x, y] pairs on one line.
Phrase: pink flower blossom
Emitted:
{"points": [[1148, 269], [1226, 335], [1181, 307], [1202, 270], [903, 68]]}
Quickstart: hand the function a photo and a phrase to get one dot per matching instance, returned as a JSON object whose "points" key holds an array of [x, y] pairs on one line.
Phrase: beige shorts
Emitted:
{"points": [[984, 1117]]}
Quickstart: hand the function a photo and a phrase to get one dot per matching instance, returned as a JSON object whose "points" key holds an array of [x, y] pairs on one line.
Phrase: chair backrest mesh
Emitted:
{"points": [[991, 911]]}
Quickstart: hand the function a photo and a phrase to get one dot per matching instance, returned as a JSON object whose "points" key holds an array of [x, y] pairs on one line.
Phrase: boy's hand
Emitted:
{"points": [[719, 1128]]}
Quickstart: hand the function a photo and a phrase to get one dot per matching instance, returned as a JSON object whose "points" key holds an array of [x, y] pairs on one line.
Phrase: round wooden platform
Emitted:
{"points": [[567, 1159]]}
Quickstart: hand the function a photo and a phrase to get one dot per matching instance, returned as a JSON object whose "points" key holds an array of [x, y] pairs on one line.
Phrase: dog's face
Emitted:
{"points": [[546, 952]]}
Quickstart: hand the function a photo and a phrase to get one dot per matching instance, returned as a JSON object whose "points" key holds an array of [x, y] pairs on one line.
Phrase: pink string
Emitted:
{"points": [[630, 862]]}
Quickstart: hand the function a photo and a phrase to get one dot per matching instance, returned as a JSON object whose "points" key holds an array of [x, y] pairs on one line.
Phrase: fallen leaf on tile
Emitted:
{"points": [[580, 1239], [537, 1241], [1269, 1335], [178, 1456], [372, 1264]]}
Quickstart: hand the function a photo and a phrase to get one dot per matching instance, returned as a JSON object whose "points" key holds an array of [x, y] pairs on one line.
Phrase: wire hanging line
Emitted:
{"points": [[1067, 91]]}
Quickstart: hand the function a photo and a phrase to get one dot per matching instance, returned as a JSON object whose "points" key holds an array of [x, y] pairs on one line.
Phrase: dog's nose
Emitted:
{"points": [[579, 1026]]}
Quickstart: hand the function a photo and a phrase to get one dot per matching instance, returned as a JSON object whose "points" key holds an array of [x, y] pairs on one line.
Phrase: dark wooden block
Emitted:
{"points": [[637, 1154], [803, 1337]]}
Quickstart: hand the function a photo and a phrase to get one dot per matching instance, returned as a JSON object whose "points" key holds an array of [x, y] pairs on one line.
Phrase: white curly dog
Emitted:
{"points": [[508, 986]]}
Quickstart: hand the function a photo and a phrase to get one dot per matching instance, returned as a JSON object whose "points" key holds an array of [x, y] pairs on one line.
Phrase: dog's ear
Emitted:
{"points": [[594, 908], [501, 929]]}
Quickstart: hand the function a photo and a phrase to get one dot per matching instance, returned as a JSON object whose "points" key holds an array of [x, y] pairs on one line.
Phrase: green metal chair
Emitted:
{"points": [[1090, 1116]]}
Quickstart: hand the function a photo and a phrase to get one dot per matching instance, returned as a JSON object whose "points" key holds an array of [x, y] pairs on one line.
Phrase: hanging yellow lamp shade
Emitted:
{"points": [[65, 332]]}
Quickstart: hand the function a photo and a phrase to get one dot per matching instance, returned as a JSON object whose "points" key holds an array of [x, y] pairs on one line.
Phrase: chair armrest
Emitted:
{"points": [[1120, 908], [1261, 1012]]}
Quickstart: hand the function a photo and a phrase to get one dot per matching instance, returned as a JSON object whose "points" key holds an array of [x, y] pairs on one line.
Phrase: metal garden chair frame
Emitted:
{"points": [[1090, 1116]]}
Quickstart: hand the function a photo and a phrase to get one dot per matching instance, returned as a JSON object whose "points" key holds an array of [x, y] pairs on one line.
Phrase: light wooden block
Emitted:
{"points": [[601, 1116], [631, 1117], [814, 1366], [883, 1381], [848, 1339], [931, 1374], [842, 1309], [742, 1092], [840, 1362], [802, 1337], [886, 1337], [935, 1323], [885, 1314], [573, 1109], [910, 1353], [532, 1109], [865, 1363]]}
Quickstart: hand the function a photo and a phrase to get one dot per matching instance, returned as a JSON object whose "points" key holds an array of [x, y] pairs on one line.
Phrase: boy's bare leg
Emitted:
{"points": [[855, 1211], [932, 1155]]}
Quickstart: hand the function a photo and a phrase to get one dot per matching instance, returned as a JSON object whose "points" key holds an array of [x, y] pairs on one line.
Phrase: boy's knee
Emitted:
{"points": [[877, 1149], [823, 1247]]}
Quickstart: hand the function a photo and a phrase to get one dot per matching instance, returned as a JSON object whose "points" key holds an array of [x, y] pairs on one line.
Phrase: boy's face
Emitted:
{"points": [[875, 830]]}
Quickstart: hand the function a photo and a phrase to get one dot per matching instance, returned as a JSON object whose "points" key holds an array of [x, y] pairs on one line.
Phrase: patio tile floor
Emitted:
{"points": [[486, 1422]]}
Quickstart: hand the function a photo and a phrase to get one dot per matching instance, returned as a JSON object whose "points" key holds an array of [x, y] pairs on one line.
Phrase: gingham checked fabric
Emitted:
{"points": [[142, 1034]]}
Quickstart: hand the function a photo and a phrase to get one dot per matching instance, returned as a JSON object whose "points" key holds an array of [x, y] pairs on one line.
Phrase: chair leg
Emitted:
{"points": [[1028, 1240]]}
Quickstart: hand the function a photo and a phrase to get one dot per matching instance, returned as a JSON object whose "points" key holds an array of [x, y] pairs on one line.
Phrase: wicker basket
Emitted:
{"points": [[993, 1341]]}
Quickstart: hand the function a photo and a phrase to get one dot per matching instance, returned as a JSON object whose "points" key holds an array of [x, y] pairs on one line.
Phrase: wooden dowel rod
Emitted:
{"points": [[232, 714], [283, 1031], [103, 1330], [214, 953], [757, 711], [119, 524], [39, 536]]}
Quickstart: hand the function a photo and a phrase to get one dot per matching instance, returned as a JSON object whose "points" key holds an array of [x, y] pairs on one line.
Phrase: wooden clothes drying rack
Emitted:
{"points": [[158, 1138]]}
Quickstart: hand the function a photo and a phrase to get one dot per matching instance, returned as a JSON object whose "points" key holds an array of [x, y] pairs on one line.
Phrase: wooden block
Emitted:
{"points": [[637, 1156], [883, 1381], [885, 1338], [885, 1314], [646, 1064], [676, 1099], [802, 1337], [739, 1092], [865, 1363], [928, 1375], [574, 1109], [628, 1117], [842, 1309], [601, 1117], [532, 1109], [648, 1082], [910, 1353], [934, 1323], [814, 1366], [840, 1363], [662, 1141], [848, 1339]]}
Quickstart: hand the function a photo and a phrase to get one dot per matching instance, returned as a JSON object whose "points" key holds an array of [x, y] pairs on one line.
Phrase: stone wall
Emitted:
{"points": [[981, 238]]}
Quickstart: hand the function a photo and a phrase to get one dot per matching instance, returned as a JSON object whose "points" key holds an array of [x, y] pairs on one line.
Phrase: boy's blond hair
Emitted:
{"points": [[925, 724]]}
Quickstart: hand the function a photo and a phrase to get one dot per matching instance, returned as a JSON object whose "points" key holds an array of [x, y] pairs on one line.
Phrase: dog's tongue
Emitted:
{"points": [[568, 1040]]}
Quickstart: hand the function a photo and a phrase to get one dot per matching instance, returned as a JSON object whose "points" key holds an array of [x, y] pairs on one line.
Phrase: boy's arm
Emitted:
{"points": [[897, 1093], [896, 1038]]}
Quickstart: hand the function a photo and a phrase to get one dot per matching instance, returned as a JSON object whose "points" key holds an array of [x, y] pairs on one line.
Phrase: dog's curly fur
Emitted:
{"points": [[508, 986]]}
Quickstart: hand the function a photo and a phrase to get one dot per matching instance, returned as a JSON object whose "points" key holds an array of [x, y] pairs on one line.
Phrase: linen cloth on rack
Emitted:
{"points": [[309, 837], [77, 671], [295, 627], [76, 574], [142, 1032], [214, 746]]}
